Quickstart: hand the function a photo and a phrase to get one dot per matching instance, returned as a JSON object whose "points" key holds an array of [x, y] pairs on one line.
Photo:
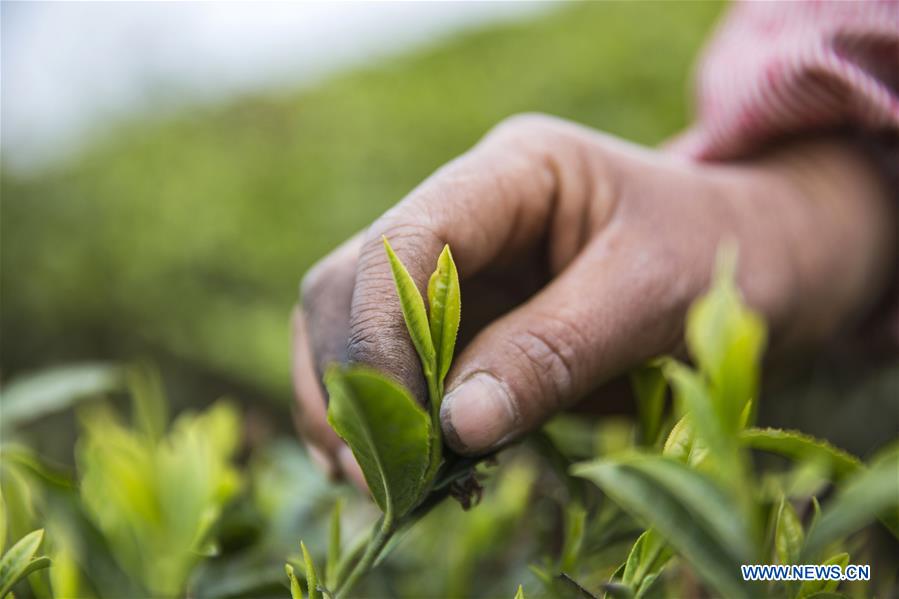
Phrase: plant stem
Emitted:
{"points": [[375, 546], [351, 557]]}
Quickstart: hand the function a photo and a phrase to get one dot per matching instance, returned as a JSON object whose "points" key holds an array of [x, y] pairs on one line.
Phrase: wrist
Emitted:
{"points": [[837, 222]]}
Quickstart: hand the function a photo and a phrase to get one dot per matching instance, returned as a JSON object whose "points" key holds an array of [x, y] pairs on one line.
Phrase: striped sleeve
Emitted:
{"points": [[780, 68]]}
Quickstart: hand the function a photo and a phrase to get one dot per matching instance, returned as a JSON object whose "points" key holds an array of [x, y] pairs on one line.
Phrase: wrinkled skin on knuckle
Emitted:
{"points": [[546, 360], [377, 332]]}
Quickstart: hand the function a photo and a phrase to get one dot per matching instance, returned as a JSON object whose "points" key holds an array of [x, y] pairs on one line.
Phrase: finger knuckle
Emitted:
{"points": [[527, 124], [550, 357]]}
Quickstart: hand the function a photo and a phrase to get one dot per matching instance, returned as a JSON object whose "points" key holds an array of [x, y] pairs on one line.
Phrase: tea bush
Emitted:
{"points": [[159, 509]]}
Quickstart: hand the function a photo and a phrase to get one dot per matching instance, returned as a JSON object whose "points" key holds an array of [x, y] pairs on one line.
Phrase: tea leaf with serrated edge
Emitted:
{"points": [[311, 574], [799, 446], [575, 521], [445, 306], [387, 431], [648, 384], [333, 545], [414, 314], [810, 588], [788, 535], [18, 563], [295, 591], [870, 493], [647, 557], [702, 423], [726, 339], [686, 508]]}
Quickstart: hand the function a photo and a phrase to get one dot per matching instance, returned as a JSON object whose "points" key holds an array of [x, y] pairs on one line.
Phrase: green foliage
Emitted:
{"points": [[220, 317], [413, 308], [649, 387], [699, 499], [387, 431], [238, 186], [156, 502], [31, 397], [686, 508], [312, 579], [295, 591], [444, 314], [648, 556], [801, 447], [788, 534], [17, 563], [810, 588], [334, 546], [870, 493], [726, 339], [397, 445]]}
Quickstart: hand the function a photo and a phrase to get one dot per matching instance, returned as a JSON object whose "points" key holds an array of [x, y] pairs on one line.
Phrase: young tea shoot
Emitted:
{"points": [[697, 494], [396, 442]]}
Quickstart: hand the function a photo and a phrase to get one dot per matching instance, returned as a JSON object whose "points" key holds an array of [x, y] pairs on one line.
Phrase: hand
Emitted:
{"points": [[579, 255]]}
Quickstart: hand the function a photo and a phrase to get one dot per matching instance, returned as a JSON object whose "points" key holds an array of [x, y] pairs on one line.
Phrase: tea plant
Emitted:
{"points": [[155, 496], [396, 442], [695, 490], [20, 561], [690, 483]]}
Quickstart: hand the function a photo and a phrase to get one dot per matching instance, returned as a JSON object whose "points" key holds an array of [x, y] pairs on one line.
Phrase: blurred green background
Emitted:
{"points": [[185, 237], [182, 237]]}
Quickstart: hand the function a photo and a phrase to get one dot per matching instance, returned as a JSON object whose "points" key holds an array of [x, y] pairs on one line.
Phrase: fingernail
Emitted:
{"points": [[478, 413]]}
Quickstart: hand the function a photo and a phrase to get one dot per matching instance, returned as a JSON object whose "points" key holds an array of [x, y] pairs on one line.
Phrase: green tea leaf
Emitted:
{"points": [[679, 441], [156, 504], [809, 588], [702, 421], [65, 579], [816, 513], [38, 563], [295, 591], [33, 396], [575, 520], [445, 305], [414, 314], [788, 535], [649, 387], [693, 515], [388, 432], [311, 574], [726, 339], [864, 496], [799, 446], [651, 587], [647, 557], [2, 522], [16, 563], [617, 590], [149, 406], [333, 546]]}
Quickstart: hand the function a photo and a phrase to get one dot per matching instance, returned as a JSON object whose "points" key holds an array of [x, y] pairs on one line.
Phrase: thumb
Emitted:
{"points": [[608, 311]]}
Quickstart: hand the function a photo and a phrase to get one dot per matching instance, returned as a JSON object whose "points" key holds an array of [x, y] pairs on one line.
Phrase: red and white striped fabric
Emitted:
{"points": [[775, 69], [780, 68]]}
